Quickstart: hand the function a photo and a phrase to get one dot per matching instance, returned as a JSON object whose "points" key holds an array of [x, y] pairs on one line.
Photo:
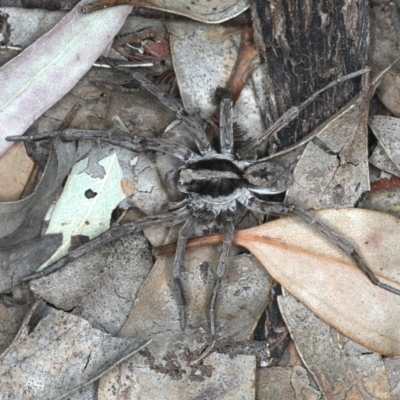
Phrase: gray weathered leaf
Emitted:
{"points": [[62, 353], [383, 51], [172, 354], [333, 169], [324, 359], [102, 285], [387, 130], [215, 49], [23, 259]]}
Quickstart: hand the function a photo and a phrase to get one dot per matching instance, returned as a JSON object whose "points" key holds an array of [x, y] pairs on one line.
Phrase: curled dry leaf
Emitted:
{"points": [[317, 273], [38, 78], [208, 12], [22, 220]]}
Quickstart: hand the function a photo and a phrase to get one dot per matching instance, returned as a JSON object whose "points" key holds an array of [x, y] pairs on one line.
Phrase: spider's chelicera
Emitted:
{"points": [[215, 183]]}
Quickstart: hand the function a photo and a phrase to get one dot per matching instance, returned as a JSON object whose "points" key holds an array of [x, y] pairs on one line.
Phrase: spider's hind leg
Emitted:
{"points": [[184, 233], [228, 230], [278, 209]]}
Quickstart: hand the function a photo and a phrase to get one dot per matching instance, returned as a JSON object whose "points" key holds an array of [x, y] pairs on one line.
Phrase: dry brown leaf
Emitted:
{"points": [[15, 170], [317, 273]]}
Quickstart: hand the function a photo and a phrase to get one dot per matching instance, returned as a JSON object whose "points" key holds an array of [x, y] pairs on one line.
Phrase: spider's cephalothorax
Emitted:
{"points": [[215, 183], [217, 180]]}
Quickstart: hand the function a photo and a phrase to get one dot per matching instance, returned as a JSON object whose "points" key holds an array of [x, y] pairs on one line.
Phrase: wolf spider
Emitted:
{"points": [[215, 183]]}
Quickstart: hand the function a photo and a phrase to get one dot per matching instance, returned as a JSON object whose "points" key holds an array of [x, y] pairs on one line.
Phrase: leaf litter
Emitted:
{"points": [[161, 362], [39, 364], [77, 41], [97, 198]]}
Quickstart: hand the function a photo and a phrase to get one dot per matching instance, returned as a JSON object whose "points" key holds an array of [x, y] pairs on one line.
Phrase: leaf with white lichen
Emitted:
{"points": [[85, 207]]}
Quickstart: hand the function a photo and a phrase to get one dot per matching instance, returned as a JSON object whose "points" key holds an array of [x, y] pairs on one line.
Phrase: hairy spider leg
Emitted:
{"points": [[264, 207], [292, 113], [114, 233], [184, 233], [229, 228], [191, 124], [182, 153]]}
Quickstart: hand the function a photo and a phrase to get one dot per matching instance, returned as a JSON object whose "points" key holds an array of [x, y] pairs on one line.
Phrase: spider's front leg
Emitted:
{"points": [[121, 138], [292, 113], [191, 124], [264, 207]]}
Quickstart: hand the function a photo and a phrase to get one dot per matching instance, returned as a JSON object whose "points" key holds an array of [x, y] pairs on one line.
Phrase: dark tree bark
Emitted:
{"points": [[305, 45]]}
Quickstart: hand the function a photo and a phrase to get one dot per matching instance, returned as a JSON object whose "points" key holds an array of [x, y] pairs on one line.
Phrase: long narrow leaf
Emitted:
{"points": [[48, 69]]}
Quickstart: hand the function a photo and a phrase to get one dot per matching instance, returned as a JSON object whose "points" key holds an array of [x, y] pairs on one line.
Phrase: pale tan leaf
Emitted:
{"points": [[318, 274], [15, 169]]}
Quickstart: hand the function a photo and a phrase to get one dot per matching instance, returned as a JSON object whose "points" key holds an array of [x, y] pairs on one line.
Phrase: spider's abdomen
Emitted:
{"points": [[268, 178], [215, 181]]}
